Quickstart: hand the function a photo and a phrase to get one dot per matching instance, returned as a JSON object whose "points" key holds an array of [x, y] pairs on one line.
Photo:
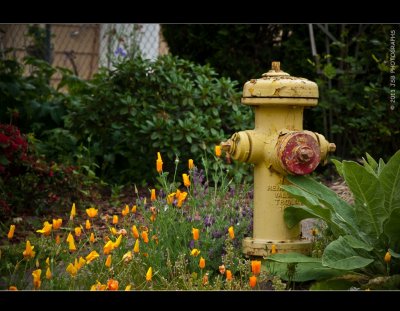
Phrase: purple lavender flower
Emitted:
{"points": [[191, 244], [216, 234], [120, 51], [208, 220]]}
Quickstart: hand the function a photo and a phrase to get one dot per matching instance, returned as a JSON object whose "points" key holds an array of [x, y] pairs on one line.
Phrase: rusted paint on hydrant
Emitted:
{"points": [[278, 146]]}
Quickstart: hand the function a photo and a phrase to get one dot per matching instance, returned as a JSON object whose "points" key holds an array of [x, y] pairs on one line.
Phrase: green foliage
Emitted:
{"points": [[29, 101], [352, 73], [353, 77], [242, 51], [167, 251], [365, 230], [209, 195], [142, 107], [30, 183]]}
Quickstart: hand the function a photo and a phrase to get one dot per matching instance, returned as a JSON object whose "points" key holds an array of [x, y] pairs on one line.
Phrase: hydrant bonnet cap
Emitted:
{"points": [[277, 84]]}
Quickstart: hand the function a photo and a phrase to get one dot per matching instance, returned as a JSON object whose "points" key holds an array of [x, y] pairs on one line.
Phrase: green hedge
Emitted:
{"points": [[171, 106]]}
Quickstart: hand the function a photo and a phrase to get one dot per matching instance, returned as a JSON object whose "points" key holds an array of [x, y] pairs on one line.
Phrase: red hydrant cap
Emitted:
{"points": [[299, 153]]}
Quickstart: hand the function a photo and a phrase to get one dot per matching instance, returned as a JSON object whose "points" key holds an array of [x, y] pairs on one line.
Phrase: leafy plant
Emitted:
{"points": [[171, 106], [29, 182], [364, 231]]}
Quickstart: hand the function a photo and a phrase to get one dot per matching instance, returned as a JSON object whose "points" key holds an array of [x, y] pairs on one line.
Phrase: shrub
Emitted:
{"points": [[171, 106], [30, 183]]}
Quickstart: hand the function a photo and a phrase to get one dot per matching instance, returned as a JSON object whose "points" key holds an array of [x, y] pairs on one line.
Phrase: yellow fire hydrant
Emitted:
{"points": [[277, 146]]}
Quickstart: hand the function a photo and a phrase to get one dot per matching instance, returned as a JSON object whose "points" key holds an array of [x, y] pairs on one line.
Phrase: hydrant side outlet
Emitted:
{"points": [[277, 146]]}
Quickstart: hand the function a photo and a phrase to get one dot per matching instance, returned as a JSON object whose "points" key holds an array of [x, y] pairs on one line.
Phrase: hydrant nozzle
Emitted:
{"points": [[278, 146]]}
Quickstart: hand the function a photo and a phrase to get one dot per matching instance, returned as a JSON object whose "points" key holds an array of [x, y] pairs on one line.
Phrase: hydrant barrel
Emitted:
{"points": [[277, 146]]}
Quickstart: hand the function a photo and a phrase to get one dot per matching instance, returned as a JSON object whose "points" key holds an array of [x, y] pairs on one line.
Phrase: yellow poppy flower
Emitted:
{"points": [[112, 284], [128, 287], [78, 231], [387, 257], [46, 228], [195, 252], [11, 232], [190, 164], [87, 224], [228, 275], [159, 163], [108, 247], [135, 232], [231, 232], [134, 208], [127, 256], [153, 195], [171, 197], [218, 151], [79, 264], [115, 219], [73, 212], [72, 270], [181, 198], [202, 263], [145, 237], [36, 278], [98, 286], [125, 211], [92, 256], [118, 241], [108, 261], [28, 252], [48, 273], [149, 274], [71, 245], [91, 239], [92, 212], [186, 180], [256, 267], [113, 231], [253, 281], [57, 223], [136, 247], [195, 233]]}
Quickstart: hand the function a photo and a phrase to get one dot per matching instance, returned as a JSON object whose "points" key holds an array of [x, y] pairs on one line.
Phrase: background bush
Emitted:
{"points": [[352, 73], [171, 106]]}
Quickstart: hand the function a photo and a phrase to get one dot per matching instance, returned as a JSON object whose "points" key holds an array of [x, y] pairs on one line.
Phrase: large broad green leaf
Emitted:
{"points": [[342, 212], [305, 271], [296, 213], [381, 165], [313, 209], [371, 161], [339, 166], [369, 198], [356, 243], [292, 258], [392, 229], [390, 181], [339, 255], [394, 254], [303, 196]]}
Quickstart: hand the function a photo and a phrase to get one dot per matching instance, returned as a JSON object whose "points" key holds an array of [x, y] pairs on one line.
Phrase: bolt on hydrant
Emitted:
{"points": [[278, 146]]}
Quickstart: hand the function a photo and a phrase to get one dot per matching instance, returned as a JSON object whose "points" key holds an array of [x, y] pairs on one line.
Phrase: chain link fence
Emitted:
{"points": [[82, 48]]}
